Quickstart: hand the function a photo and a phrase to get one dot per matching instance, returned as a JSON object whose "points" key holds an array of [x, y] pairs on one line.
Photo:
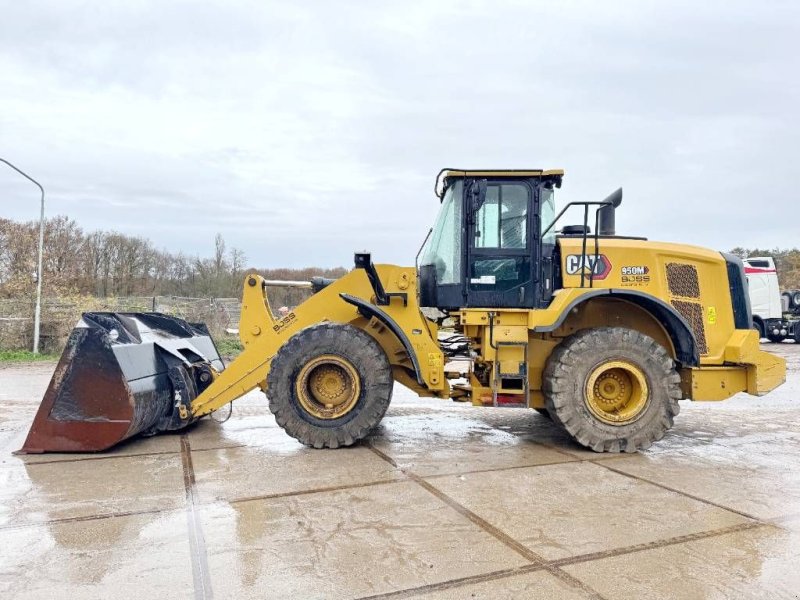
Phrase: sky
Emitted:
{"points": [[305, 131]]}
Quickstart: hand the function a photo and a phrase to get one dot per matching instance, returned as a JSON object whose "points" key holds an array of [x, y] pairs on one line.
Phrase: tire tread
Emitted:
{"points": [[359, 348], [563, 388]]}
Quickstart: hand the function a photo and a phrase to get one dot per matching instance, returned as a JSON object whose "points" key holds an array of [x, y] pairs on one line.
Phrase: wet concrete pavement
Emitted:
{"points": [[445, 501]]}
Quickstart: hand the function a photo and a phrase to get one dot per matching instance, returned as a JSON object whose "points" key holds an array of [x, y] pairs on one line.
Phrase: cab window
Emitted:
{"points": [[502, 220]]}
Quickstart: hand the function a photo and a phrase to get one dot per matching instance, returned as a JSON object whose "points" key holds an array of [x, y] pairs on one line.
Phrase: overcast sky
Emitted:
{"points": [[305, 131]]}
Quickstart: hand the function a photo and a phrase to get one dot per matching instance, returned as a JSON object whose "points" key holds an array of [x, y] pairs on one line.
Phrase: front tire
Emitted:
{"points": [[329, 385], [613, 389]]}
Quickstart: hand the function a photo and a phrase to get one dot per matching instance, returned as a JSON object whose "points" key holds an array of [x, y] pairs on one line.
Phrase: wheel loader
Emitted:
{"points": [[507, 307]]}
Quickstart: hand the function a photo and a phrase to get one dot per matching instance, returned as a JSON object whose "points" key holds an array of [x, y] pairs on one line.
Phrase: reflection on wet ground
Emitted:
{"points": [[444, 501]]}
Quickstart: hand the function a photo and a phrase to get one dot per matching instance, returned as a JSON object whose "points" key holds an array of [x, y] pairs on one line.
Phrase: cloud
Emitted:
{"points": [[302, 133]]}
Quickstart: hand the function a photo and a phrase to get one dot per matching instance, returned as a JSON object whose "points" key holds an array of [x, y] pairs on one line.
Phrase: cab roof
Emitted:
{"points": [[448, 174]]}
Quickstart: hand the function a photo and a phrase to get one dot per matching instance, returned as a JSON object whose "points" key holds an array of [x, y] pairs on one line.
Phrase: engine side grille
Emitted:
{"points": [[682, 280], [693, 313], [684, 284]]}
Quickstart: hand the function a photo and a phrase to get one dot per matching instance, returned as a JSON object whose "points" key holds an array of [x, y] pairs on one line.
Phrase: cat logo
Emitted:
{"points": [[597, 266]]}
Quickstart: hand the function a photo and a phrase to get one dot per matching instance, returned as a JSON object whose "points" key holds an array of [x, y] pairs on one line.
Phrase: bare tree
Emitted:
{"points": [[107, 263]]}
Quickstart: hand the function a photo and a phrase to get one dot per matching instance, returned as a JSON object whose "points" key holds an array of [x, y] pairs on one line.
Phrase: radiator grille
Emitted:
{"points": [[693, 313], [682, 280]]}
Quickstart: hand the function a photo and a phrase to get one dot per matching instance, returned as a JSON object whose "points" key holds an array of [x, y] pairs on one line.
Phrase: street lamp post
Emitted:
{"points": [[38, 311]]}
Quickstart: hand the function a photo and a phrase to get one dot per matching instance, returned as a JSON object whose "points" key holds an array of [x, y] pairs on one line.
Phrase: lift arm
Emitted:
{"points": [[262, 334]]}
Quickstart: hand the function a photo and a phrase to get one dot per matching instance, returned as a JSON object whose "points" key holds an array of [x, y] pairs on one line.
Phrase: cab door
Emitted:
{"points": [[499, 249]]}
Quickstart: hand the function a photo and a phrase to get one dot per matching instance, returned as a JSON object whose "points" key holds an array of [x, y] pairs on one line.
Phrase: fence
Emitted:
{"points": [[59, 316]]}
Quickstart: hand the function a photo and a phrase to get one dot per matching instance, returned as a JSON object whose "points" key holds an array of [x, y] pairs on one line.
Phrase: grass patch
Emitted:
{"points": [[23, 356], [229, 346]]}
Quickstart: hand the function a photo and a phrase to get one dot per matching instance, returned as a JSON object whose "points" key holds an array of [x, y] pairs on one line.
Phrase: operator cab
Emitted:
{"points": [[487, 248]]}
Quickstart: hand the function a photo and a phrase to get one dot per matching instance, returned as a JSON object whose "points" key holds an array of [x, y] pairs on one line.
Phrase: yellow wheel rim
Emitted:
{"points": [[328, 387], [617, 392]]}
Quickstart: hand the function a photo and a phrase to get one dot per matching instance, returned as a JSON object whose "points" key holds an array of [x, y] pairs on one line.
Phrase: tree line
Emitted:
{"points": [[109, 263], [787, 263]]}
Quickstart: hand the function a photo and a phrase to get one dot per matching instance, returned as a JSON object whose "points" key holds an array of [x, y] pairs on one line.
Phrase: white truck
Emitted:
{"points": [[774, 314]]}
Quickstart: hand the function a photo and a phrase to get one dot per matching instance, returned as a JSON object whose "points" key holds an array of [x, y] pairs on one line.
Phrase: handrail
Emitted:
{"points": [[563, 210], [586, 206]]}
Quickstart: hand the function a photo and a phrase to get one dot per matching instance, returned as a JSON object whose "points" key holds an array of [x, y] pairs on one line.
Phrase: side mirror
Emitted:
{"points": [[476, 195]]}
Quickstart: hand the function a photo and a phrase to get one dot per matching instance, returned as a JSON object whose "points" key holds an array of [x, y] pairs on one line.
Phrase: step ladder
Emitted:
{"points": [[520, 374]]}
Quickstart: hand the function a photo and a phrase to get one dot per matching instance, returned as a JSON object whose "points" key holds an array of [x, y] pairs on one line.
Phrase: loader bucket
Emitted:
{"points": [[122, 374]]}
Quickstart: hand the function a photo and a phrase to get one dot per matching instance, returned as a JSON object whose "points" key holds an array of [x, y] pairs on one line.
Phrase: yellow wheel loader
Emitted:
{"points": [[601, 332]]}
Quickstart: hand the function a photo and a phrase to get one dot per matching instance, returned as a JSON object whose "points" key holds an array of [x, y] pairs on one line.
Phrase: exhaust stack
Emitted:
{"points": [[606, 224]]}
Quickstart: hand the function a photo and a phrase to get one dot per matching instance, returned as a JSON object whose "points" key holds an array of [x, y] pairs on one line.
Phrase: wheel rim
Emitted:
{"points": [[617, 392], [328, 387]]}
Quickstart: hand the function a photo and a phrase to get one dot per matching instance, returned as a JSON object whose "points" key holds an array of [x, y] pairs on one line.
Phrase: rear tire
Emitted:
{"points": [[329, 385], [759, 327], [613, 389]]}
